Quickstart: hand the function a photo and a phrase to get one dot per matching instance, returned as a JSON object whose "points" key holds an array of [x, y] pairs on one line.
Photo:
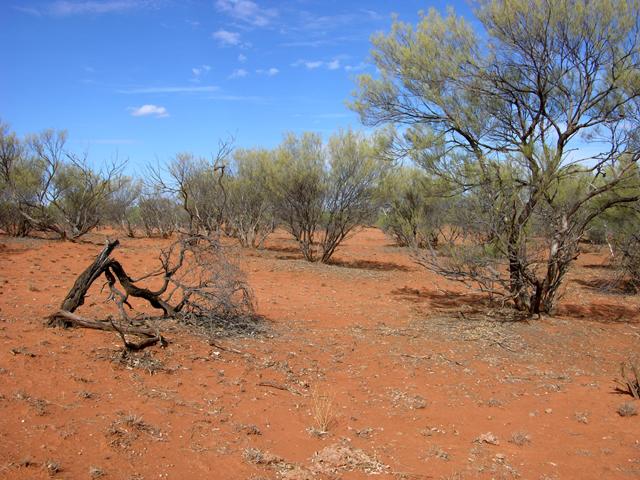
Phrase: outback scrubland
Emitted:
{"points": [[452, 296]]}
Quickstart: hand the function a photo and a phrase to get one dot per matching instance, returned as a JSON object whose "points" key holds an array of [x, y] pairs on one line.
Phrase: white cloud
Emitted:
{"points": [[149, 111], [225, 37], [199, 72], [356, 68], [239, 73], [242, 58], [28, 10], [315, 64], [185, 89], [270, 72], [247, 11], [66, 8], [238, 98], [333, 64]]}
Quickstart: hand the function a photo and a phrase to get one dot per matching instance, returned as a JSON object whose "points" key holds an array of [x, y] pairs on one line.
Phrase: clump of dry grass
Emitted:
{"points": [[582, 417], [322, 412], [52, 467], [627, 409], [259, 457], [95, 472], [127, 428], [520, 438]]}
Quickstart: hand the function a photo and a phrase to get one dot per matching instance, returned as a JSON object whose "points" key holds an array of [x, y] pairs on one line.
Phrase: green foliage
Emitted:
{"points": [[322, 194], [415, 212], [121, 208], [198, 185], [18, 180], [160, 215], [80, 195], [297, 186], [249, 216], [534, 118]]}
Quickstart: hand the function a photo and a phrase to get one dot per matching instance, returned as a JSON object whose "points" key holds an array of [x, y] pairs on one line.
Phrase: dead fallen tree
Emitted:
{"points": [[196, 284]]}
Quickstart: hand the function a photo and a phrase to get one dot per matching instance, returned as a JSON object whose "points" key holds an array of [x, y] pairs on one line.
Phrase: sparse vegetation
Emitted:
{"points": [[52, 467], [320, 195], [628, 409], [520, 438], [505, 162], [322, 412], [497, 117]]}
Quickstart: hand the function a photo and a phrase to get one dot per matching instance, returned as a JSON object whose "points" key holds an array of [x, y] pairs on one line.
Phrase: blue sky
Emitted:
{"points": [[145, 79]]}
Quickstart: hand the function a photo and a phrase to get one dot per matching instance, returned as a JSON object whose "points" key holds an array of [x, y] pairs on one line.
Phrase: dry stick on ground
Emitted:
{"points": [[75, 298], [278, 386], [76, 295], [195, 268], [629, 382]]}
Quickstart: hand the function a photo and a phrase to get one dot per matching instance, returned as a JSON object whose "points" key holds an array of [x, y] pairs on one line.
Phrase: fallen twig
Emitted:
{"points": [[278, 386]]}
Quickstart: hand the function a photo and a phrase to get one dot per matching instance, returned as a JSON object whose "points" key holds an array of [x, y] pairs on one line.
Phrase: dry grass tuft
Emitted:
{"points": [[322, 412], [627, 409], [95, 472], [127, 428], [52, 467], [520, 438]]}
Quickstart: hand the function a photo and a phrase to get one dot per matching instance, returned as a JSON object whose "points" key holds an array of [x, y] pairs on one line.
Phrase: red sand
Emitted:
{"points": [[419, 388]]}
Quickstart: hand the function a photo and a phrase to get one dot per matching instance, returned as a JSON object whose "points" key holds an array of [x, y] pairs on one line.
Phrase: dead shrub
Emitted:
{"points": [[198, 283]]}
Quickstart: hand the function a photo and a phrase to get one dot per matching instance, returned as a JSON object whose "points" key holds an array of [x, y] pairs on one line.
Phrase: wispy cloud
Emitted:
{"points": [[312, 65], [238, 98], [225, 37], [269, 72], [67, 8], [149, 110], [309, 43], [356, 68], [165, 89], [242, 58], [331, 115], [239, 73], [28, 10], [333, 64], [199, 72], [247, 11], [311, 21]]}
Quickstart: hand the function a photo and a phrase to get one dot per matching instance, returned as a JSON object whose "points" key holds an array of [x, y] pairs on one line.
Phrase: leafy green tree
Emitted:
{"points": [[545, 92], [249, 216], [321, 195], [121, 208], [418, 212], [48, 188], [160, 215], [18, 179], [297, 186]]}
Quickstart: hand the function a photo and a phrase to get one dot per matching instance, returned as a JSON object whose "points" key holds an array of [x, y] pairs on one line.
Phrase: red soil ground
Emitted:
{"points": [[418, 381]]}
